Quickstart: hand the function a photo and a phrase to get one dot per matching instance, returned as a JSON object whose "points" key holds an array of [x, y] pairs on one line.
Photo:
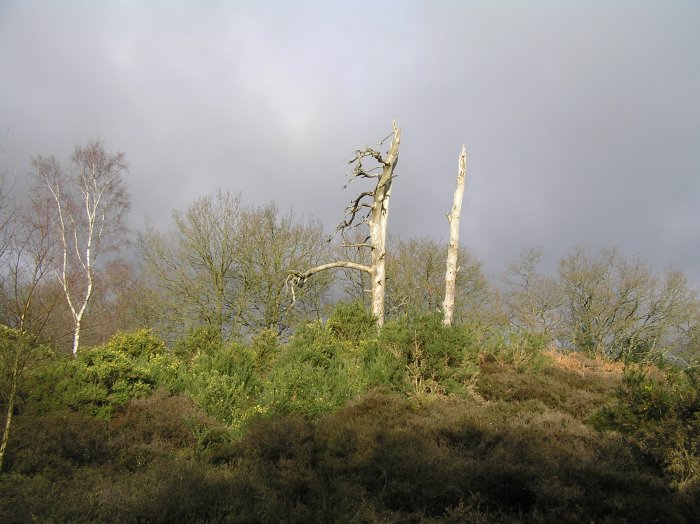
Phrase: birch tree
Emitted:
{"points": [[371, 209], [89, 206], [453, 248]]}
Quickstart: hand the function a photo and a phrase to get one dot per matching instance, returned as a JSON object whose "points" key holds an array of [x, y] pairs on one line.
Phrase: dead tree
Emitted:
{"points": [[453, 248], [370, 208]]}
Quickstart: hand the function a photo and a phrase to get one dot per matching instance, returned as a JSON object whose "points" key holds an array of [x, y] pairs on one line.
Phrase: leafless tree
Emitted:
{"points": [[193, 270], [89, 205], [416, 280], [273, 244], [532, 299], [6, 208], [30, 257], [617, 306], [370, 208], [223, 265]]}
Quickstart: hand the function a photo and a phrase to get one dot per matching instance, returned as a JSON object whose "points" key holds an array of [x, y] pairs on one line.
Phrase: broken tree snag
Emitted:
{"points": [[370, 208], [453, 248]]}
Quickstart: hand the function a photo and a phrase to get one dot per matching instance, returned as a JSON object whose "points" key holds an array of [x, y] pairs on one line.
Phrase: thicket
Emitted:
{"points": [[342, 423]]}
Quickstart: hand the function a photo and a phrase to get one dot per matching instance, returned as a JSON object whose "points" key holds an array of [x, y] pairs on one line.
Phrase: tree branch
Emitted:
{"points": [[298, 278]]}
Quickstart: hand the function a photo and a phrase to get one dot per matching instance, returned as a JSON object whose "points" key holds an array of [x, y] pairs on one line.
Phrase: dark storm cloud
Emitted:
{"points": [[581, 119]]}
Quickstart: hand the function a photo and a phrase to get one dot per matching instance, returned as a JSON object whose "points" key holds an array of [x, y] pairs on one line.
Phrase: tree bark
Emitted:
{"points": [[377, 228], [453, 248], [376, 219], [10, 411]]}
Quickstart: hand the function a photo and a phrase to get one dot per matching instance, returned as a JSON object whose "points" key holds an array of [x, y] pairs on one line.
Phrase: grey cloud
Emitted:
{"points": [[581, 119]]}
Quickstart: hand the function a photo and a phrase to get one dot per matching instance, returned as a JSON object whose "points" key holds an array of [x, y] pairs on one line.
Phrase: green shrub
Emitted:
{"points": [[103, 378], [521, 349], [198, 340], [315, 374], [437, 358], [265, 348], [225, 382], [661, 412], [351, 321], [141, 344]]}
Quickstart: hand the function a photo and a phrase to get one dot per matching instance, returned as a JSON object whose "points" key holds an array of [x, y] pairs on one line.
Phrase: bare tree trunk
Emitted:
{"points": [[377, 228], [10, 411], [453, 249], [376, 219], [76, 336]]}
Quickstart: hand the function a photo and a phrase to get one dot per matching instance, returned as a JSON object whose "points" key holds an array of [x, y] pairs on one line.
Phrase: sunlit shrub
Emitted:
{"points": [[265, 347], [437, 358], [136, 344], [202, 340], [521, 349], [104, 377], [224, 382], [351, 321], [315, 374]]}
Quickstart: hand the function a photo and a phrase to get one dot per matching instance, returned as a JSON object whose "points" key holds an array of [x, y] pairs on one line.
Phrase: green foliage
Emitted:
{"points": [[662, 413], [525, 455], [103, 378], [351, 321], [198, 340], [437, 358], [20, 354], [521, 349], [141, 344], [224, 382], [265, 349], [334, 426], [316, 374]]}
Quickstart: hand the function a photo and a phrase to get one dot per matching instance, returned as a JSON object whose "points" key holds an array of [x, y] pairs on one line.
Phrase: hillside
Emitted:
{"points": [[419, 424]]}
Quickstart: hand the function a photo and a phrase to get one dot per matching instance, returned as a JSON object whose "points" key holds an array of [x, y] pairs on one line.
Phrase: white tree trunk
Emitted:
{"points": [[453, 248], [11, 401], [376, 219]]}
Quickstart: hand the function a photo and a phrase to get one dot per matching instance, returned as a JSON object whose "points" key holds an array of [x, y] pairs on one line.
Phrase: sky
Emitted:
{"points": [[581, 118]]}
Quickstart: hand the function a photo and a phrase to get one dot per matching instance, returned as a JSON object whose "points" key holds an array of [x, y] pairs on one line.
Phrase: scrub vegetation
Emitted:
{"points": [[421, 422]]}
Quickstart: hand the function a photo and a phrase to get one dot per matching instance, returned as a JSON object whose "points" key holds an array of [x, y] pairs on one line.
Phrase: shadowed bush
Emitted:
{"points": [[660, 411]]}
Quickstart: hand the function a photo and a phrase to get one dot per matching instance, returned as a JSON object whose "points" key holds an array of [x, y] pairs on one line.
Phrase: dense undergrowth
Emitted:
{"points": [[420, 423]]}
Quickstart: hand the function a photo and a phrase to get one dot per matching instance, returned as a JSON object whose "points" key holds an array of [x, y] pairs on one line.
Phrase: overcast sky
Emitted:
{"points": [[581, 118]]}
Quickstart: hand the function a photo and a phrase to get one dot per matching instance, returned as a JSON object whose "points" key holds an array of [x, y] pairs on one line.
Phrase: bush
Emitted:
{"points": [[203, 340], [103, 378], [316, 373], [661, 412], [523, 350], [57, 442], [437, 358], [351, 321]]}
